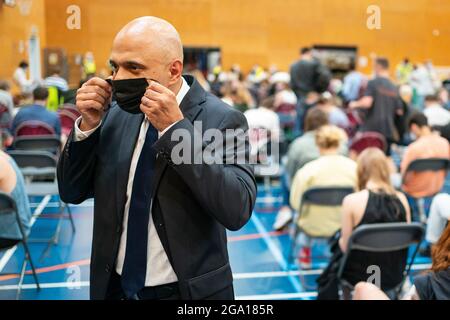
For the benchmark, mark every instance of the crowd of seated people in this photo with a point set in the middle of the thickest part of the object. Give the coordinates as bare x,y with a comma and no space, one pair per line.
317,118
25,115
36,113
398,121
375,201
31,114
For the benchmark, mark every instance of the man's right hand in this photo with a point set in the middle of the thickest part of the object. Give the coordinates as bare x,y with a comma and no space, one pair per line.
92,99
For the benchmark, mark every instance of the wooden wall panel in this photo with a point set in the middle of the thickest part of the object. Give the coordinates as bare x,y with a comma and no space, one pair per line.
262,31
15,31
271,32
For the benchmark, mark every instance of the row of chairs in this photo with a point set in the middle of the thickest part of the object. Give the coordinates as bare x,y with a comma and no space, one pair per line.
8,207
383,237
67,115
370,238
36,156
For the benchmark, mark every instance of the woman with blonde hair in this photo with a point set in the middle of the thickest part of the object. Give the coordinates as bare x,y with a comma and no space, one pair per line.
330,169
376,201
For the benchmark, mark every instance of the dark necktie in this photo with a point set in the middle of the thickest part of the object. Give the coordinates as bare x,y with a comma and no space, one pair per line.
135,264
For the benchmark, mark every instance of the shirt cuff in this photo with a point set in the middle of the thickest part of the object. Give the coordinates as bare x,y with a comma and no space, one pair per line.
81,135
160,134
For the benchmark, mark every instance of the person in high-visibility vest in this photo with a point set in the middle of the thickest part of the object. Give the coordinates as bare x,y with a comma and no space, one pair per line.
89,65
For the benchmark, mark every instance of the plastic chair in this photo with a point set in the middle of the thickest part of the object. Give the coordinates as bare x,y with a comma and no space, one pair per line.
8,206
34,128
383,237
68,114
40,143
5,117
288,116
364,140
40,165
35,164
423,165
323,196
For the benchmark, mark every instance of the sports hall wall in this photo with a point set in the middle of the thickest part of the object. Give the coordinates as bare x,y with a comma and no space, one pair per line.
15,29
247,31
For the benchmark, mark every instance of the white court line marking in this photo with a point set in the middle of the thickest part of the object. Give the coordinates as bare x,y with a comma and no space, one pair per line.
86,204
69,285
8,254
424,266
279,296
277,274
250,275
266,200
275,251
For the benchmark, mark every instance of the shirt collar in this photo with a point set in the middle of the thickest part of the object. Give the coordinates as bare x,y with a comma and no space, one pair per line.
183,91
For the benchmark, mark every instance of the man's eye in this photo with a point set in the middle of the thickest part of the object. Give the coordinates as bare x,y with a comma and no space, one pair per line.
113,67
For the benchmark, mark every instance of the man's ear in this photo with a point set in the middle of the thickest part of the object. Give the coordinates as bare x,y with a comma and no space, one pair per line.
175,70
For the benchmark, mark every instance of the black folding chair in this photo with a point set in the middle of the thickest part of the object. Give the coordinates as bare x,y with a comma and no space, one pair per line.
39,171
8,207
50,143
323,196
423,165
35,165
383,237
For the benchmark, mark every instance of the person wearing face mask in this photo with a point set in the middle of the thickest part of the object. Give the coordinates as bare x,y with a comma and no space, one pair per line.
159,225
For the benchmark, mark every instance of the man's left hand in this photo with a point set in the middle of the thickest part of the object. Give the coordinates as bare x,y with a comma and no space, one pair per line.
160,106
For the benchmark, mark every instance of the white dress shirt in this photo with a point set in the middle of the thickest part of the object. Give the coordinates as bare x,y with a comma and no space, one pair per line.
159,269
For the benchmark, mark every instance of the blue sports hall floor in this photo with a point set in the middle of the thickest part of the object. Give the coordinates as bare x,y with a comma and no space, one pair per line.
257,253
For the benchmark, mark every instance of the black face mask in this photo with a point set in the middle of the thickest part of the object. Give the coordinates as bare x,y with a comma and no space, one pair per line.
128,93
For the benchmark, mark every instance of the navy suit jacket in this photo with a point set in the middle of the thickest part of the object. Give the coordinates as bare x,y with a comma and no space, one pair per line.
192,206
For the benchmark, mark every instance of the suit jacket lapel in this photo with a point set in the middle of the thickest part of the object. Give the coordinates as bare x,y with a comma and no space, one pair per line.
190,106
130,133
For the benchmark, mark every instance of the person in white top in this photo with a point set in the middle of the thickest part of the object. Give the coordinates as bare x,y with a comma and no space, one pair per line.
263,118
25,85
435,113
284,93
421,80
55,80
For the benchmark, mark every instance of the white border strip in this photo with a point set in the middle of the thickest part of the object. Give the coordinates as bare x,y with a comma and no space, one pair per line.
277,274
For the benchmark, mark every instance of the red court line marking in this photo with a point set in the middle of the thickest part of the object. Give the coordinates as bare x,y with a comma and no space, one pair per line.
267,210
252,236
49,269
